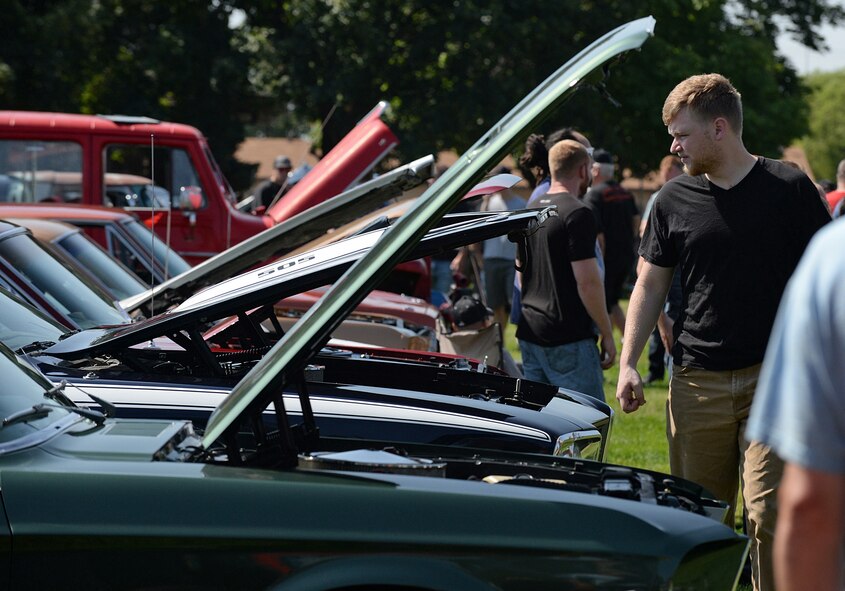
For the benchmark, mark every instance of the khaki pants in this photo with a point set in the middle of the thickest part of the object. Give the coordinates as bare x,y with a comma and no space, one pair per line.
706,413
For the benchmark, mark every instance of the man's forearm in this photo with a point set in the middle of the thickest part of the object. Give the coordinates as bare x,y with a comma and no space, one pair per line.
808,539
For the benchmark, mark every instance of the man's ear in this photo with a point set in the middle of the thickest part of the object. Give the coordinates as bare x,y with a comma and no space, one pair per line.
720,127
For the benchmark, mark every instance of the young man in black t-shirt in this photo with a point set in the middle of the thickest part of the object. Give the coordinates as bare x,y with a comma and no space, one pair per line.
736,226
562,290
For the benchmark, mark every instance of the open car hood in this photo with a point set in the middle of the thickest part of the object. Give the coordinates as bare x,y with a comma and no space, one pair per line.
289,276
296,232
345,164
286,360
284,237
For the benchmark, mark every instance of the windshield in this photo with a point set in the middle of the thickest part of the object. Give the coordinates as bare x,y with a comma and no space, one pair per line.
120,282
75,299
165,257
23,388
21,324
224,185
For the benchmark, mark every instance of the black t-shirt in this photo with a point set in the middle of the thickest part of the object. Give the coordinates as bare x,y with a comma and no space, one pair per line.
266,192
552,312
736,249
614,208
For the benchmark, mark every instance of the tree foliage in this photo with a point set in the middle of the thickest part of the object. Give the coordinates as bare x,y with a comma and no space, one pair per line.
452,69
449,68
825,143
174,61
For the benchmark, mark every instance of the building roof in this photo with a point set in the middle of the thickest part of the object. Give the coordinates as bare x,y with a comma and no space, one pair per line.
263,150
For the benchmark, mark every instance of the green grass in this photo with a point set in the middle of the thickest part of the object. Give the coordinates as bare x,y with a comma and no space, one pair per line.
637,439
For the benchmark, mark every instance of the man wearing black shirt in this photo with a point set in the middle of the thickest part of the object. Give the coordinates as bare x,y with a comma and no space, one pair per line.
562,289
618,220
736,225
276,185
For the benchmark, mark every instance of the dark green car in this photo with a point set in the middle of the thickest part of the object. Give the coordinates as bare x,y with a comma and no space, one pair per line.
91,502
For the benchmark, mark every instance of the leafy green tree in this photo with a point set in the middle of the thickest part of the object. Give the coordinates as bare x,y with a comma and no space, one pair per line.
451,69
825,144
174,60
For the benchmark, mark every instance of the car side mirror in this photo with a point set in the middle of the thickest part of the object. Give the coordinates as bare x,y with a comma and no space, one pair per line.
190,198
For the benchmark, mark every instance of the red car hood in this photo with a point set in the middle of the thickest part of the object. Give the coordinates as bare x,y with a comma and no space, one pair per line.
377,303
349,161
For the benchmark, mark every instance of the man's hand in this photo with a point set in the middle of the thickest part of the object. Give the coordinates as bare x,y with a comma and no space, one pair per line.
607,348
629,389
643,312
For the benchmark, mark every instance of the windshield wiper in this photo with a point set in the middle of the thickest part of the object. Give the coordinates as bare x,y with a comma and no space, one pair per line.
39,411
57,393
35,346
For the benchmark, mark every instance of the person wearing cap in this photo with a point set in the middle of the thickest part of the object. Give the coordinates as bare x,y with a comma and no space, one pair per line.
276,185
618,221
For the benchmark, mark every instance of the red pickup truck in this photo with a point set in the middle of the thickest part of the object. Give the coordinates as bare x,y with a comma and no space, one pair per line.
164,172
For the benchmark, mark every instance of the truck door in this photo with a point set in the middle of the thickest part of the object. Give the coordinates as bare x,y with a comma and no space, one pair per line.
161,185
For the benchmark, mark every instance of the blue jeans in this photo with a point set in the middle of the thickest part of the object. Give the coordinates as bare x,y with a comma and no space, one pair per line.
574,365
441,277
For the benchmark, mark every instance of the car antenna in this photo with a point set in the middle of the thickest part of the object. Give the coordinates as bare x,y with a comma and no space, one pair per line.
153,210
152,344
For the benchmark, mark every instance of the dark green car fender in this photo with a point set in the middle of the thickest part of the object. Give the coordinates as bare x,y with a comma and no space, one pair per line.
428,574
5,545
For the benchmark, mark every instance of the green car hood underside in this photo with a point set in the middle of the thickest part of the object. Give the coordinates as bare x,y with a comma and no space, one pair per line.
115,508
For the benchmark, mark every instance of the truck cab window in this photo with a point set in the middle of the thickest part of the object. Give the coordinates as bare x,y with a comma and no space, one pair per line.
32,171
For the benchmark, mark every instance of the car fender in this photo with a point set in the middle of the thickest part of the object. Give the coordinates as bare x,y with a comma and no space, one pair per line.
366,571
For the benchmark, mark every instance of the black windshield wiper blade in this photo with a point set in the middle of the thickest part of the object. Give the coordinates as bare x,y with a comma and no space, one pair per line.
57,393
88,413
35,346
38,411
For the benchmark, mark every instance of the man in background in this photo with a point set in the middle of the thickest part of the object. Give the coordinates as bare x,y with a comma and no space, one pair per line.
563,306
618,221
268,191
499,255
659,354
